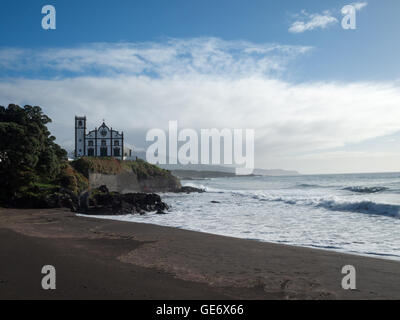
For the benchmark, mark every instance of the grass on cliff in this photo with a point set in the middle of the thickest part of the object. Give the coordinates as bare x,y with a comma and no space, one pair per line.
104,165
109,165
144,169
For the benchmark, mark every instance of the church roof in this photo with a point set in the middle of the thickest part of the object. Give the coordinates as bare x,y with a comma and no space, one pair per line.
103,126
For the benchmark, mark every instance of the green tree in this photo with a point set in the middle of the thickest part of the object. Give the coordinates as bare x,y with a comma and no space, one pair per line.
28,152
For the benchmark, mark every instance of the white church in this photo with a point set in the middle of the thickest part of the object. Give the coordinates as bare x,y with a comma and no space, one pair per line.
100,142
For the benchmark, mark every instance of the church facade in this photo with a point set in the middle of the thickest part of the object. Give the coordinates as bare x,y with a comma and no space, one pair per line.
100,142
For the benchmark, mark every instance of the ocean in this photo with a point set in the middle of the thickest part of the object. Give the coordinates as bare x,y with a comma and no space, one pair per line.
351,213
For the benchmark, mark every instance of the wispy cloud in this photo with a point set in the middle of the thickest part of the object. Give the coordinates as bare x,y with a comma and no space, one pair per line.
310,21
171,57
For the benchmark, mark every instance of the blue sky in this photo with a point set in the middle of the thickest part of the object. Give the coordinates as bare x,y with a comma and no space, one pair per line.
369,52
327,96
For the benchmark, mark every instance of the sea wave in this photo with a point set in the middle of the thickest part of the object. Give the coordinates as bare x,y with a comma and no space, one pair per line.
206,188
307,185
368,207
364,206
336,204
360,189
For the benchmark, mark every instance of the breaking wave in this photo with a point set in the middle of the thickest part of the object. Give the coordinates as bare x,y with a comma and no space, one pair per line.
327,203
332,204
359,189
368,207
307,185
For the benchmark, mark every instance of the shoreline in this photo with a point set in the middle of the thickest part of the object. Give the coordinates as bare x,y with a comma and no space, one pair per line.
109,259
366,255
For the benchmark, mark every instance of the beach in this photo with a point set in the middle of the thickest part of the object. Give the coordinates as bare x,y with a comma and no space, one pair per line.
106,259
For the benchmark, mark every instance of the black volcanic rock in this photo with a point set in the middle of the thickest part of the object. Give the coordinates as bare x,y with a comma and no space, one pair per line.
190,190
103,202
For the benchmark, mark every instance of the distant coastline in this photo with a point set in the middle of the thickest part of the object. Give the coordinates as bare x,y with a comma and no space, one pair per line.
200,175
203,174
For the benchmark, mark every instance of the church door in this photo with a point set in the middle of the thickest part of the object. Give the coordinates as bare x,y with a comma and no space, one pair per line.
103,152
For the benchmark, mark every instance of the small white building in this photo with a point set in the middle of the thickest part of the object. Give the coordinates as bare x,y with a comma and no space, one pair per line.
100,142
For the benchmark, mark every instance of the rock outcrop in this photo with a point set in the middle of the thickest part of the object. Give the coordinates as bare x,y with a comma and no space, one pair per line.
103,202
188,189
99,201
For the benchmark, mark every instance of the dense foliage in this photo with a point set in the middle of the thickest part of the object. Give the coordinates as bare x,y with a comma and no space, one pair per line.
72,180
29,155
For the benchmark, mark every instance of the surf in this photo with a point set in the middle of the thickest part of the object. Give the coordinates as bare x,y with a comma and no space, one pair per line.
360,189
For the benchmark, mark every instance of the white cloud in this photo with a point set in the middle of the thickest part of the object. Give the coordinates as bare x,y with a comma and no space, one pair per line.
313,21
290,119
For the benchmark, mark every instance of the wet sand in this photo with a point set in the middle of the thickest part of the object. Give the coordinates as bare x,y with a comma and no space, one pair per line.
105,259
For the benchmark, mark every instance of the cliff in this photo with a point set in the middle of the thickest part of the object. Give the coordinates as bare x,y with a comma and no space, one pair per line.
126,176
130,185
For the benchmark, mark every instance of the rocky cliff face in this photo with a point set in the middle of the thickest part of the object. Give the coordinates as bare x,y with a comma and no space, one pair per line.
105,186
128,182
127,176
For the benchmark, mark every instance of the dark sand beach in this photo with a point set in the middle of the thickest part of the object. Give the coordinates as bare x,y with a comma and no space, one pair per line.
104,259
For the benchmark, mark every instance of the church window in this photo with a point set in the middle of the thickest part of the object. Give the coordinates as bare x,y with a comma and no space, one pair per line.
103,152
103,143
90,143
116,143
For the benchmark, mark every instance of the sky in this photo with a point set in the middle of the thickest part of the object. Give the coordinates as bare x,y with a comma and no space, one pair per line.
321,99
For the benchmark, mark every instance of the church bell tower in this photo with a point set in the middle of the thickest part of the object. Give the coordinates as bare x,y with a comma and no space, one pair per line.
80,133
